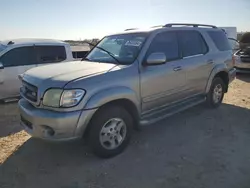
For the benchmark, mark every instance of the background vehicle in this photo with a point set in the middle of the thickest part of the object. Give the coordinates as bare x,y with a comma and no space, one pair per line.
133,78
17,56
242,56
80,51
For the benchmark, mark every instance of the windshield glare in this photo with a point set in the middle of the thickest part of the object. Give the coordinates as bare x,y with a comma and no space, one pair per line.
125,48
2,47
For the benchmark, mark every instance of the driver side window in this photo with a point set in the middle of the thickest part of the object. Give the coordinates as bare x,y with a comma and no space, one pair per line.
166,43
19,57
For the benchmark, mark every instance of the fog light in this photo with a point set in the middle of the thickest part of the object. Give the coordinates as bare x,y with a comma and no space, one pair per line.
48,131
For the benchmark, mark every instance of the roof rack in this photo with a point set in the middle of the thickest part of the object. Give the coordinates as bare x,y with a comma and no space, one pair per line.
188,24
130,29
157,26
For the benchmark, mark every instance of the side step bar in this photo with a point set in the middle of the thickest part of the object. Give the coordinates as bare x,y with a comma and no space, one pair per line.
163,113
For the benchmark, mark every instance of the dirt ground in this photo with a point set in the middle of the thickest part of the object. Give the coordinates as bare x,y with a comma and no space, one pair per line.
199,148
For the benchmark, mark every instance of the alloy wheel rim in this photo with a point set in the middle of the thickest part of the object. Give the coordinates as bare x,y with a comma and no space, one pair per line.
113,133
217,93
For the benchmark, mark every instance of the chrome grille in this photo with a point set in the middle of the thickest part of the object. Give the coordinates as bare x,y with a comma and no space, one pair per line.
29,91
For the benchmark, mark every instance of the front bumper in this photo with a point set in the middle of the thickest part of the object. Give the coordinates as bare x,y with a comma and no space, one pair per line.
232,75
52,125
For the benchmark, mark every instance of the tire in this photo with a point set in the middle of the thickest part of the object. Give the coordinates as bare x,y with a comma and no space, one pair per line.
211,99
107,127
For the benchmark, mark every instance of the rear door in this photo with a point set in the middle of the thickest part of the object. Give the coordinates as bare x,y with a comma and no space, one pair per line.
47,54
198,64
15,62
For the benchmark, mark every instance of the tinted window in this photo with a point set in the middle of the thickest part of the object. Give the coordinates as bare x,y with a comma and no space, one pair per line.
2,47
19,56
220,40
192,43
167,43
51,54
77,55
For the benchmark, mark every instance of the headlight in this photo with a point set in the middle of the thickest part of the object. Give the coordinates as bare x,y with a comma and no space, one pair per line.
52,97
71,97
62,98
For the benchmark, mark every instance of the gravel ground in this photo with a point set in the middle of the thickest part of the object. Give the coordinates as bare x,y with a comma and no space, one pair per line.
197,148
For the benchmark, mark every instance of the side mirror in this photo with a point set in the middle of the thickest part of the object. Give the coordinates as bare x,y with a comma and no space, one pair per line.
20,76
1,66
157,58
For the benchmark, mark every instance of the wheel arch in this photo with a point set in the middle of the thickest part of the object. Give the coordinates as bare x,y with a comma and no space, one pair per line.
224,76
120,96
127,104
221,72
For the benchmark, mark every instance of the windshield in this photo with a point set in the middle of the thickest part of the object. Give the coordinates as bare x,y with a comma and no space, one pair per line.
125,48
2,47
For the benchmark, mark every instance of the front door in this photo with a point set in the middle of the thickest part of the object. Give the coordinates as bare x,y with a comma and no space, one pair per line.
15,62
163,84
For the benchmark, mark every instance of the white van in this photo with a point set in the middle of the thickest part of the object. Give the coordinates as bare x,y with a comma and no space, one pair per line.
17,56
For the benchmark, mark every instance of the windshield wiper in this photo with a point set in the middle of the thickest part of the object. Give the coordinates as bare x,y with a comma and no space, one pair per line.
85,59
109,53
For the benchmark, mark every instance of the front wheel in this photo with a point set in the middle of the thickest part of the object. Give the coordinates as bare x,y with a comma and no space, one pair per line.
216,93
110,131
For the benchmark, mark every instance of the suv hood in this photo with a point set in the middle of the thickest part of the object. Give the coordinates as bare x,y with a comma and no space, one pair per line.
58,75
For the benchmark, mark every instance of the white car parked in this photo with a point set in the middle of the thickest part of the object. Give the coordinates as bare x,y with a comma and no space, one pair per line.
17,56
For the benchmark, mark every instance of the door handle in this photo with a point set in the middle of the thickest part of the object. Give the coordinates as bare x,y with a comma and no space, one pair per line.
177,68
210,61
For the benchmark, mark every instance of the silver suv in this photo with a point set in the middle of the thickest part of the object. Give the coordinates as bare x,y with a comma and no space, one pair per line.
129,79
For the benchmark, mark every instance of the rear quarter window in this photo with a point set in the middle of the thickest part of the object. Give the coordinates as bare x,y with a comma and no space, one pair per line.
51,54
220,40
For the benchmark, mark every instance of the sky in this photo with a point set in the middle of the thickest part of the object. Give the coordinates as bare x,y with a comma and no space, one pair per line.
85,19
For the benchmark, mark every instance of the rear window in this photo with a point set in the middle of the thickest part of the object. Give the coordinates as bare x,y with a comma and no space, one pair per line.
78,55
51,54
220,40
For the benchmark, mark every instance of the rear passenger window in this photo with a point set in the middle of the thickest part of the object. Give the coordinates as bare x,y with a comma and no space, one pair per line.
19,57
192,43
51,54
78,55
167,43
220,40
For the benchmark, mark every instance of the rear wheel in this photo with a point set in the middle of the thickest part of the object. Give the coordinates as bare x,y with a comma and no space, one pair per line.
110,131
216,93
